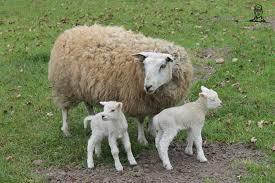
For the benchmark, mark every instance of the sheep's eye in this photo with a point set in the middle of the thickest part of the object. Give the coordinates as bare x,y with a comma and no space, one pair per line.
162,66
112,110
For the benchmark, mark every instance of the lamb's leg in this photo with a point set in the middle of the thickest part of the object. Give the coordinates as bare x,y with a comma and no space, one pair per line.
127,147
90,151
141,136
65,127
98,148
90,109
115,151
165,141
198,144
157,140
189,147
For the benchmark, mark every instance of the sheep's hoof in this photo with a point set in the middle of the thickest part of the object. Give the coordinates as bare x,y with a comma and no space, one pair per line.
188,152
202,159
66,132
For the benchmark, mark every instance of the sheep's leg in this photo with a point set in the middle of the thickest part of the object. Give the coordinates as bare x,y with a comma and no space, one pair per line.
65,127
98,148
190,141
90,109
165,141
157,141
127,147
115,151
90,151
198,144
141,136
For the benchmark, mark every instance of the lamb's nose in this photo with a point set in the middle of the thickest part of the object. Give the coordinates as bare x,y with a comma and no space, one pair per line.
103,116
148,87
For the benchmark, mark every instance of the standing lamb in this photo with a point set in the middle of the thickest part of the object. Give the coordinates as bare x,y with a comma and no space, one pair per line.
110,123
190,116
103,63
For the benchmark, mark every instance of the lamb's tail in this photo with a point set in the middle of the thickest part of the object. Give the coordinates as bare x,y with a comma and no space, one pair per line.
154,126
86,120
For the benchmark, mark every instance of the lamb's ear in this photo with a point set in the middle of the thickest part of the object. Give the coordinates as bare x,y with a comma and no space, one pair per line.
103,103
202,94
204,89
119,105
141,56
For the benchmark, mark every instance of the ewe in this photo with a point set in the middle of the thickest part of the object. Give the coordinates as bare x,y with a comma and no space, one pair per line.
190,116
103,63
110,123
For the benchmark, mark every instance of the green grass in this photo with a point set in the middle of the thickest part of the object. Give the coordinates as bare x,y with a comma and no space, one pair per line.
28,30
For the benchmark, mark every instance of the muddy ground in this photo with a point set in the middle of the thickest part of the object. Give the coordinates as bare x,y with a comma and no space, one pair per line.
224,165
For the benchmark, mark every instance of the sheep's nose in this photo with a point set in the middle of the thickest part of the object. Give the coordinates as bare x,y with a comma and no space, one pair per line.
148,87
103,116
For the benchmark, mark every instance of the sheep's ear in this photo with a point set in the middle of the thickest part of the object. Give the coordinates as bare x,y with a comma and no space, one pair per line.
169,59
202,94
119,105
204,89
141,56
103,103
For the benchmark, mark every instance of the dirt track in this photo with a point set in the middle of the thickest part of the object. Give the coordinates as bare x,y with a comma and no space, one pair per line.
223,165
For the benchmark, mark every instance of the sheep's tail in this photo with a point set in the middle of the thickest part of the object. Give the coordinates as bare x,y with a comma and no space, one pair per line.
154,126
86,120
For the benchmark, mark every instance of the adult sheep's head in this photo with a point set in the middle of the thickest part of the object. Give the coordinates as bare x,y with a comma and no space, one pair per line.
158,69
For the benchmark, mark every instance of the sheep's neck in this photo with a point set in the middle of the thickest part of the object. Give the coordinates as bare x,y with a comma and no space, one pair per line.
202,104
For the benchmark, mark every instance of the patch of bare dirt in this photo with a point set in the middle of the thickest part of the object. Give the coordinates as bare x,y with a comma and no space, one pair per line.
202,70
224,165
213,53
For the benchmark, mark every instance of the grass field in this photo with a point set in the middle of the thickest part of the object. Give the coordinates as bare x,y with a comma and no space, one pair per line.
28,29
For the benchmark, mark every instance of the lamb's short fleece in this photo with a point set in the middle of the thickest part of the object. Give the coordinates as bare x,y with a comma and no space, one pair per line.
110,123
190,116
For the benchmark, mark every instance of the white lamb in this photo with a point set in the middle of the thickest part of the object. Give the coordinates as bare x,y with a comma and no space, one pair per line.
190,116
110,123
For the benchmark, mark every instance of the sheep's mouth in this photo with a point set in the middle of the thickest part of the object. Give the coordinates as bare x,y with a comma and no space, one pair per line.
150,92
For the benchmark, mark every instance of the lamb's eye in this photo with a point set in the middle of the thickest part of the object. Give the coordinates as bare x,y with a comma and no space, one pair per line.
112,110
162,66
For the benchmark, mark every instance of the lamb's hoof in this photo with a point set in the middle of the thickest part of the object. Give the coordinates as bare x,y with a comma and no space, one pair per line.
188,152
133,163
202,159
98,154
119,168
90,165
143,141
168,167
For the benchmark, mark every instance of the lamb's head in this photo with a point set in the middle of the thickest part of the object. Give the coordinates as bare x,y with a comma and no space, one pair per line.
158,69
211,97
112,110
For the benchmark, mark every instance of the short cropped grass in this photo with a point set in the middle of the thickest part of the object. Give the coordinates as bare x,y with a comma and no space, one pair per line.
30,123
